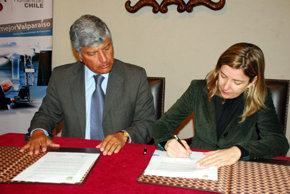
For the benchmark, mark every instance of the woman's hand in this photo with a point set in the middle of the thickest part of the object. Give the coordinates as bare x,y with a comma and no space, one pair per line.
220,158
176,150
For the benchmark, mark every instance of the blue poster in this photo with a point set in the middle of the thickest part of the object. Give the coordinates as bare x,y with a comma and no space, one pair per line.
25,59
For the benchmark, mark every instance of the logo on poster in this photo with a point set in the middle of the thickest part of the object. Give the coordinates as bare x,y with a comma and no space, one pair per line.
25,3
31,3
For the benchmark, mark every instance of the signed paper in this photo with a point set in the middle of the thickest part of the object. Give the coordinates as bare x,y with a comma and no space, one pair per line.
163,165
59,167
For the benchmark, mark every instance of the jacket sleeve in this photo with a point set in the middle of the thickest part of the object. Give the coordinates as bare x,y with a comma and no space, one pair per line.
49,114
172,119
272,141
144,113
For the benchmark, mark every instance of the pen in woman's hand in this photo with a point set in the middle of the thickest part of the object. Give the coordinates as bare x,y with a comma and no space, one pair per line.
179,141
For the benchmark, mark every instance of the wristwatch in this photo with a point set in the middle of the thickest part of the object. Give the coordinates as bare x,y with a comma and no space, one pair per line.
125,134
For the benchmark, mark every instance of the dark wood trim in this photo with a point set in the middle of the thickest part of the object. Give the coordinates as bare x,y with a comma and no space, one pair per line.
181,5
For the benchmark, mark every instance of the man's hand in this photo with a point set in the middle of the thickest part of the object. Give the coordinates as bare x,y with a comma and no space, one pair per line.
112,143
220,158
38,143
176,150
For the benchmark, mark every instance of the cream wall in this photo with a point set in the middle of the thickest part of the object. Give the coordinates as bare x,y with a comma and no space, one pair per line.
182,46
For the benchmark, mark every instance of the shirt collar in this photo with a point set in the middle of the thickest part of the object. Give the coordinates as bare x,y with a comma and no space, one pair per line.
90,73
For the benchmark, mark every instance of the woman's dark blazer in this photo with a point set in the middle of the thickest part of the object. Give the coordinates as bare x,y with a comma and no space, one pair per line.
272,143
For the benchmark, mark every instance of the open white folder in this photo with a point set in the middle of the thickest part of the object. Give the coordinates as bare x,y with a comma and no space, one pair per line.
59,167
163,165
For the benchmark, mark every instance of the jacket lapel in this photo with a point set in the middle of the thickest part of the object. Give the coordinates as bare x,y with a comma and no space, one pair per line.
77,86
211,114
114,87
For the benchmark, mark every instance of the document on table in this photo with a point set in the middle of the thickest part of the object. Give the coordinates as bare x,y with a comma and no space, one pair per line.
59,167
163,165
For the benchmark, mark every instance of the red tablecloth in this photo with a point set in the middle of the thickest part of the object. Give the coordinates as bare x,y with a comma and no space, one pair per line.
111,174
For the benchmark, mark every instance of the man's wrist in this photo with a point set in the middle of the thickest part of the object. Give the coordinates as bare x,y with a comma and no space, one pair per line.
40,129
126,136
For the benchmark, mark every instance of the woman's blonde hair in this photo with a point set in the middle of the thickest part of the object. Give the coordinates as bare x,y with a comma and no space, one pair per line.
250,59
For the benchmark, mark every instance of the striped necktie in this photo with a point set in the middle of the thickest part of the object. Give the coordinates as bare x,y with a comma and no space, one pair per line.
97,107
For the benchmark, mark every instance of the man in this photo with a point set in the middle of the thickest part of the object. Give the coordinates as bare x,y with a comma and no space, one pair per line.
5,86
128,110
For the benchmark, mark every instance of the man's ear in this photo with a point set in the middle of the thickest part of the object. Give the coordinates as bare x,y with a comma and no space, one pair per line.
79,57
253,82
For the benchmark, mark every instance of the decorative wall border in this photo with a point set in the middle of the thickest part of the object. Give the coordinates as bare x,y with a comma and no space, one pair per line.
181,5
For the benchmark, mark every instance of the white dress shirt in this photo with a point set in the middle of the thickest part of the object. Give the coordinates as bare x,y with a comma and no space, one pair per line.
90,86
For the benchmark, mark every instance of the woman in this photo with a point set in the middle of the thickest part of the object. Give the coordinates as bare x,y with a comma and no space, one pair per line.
229,107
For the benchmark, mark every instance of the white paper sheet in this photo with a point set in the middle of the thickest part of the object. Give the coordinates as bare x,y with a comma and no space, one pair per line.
59,167
163,165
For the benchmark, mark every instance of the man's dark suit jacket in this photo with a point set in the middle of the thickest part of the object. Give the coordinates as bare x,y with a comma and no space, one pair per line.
3,100
128,102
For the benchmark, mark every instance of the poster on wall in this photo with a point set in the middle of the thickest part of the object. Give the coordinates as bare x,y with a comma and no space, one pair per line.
25,60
